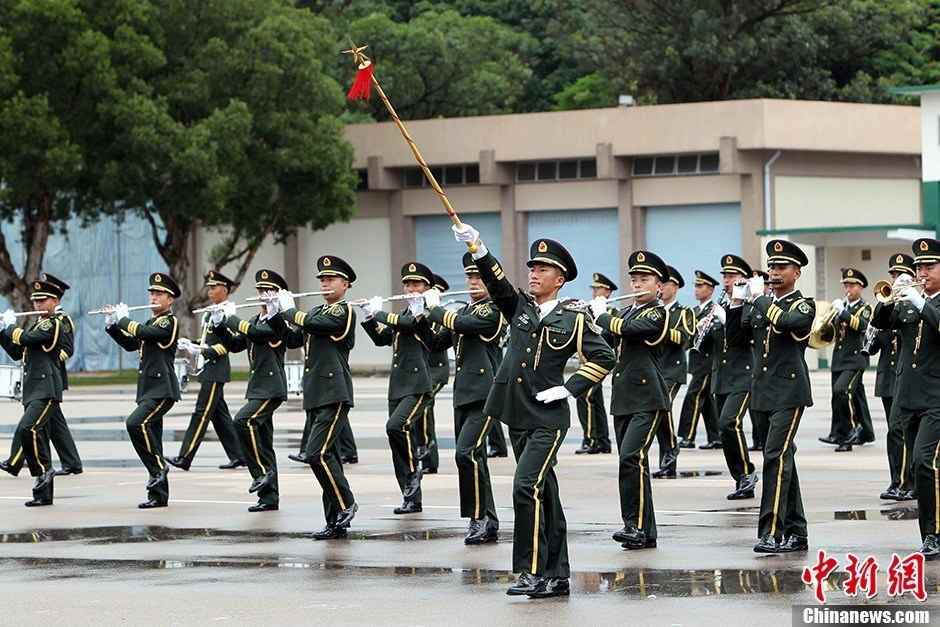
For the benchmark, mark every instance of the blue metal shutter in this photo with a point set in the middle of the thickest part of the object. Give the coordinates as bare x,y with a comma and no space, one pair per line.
435,245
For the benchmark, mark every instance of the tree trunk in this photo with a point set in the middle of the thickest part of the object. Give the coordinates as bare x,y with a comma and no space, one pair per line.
35,233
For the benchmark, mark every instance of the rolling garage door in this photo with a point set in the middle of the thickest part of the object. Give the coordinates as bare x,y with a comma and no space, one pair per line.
694,237
435,245
590,235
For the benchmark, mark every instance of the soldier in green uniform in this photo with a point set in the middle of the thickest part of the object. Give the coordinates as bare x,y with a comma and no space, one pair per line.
327,333
157,386
592,412
674,368
916,316
640,398
59,433
476,333
39,347
439,369
886,343
698,401
530,395
759,419
409,387
780,387
267,384
851,420
217,371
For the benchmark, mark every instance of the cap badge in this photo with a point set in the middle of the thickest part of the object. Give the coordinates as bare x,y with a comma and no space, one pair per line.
900,259
264,274
157,278
542,247
778,247
924,246
849,272
326,262
36,285
640,257
412,267
729,260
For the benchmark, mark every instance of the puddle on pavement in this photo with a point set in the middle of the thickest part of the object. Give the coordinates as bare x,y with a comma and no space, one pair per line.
894,513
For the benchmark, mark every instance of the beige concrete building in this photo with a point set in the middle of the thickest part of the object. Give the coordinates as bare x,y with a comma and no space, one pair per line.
690,181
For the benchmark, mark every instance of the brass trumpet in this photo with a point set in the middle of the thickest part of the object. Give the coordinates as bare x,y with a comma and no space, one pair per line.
886,292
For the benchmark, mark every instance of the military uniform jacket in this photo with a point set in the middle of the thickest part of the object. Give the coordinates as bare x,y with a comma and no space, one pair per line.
850,327
67,345
410,339
887,346
537,353
39,346
438,360
155,342
918,383
681,329
266,348
781,332
700,361
638,383
217,367
733,355
476,333
328,334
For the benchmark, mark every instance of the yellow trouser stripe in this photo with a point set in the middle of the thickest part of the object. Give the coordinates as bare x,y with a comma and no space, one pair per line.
849,391
695,411
936,488
202,421
407,430
326,468
742,449
590,416
783,453
476,468
538,503
647,441
36,436
143,429
254,438
16,457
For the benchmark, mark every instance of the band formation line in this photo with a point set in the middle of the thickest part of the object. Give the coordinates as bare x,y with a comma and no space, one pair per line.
742,354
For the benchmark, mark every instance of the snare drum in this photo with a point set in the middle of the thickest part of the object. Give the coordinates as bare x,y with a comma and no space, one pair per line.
11,382
295,376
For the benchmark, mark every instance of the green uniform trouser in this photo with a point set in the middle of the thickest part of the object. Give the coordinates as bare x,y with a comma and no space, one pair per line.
324,425
926,466
34,425
145,428
424,429
346,442
61,438
254,424
759,426
731,409
497,439
634,437
593,417
899,444
849,406
402,414
211,407
781,504
699,403
540,532
473,472
666,432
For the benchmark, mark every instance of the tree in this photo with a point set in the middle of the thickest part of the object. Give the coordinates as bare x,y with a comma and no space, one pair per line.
231,124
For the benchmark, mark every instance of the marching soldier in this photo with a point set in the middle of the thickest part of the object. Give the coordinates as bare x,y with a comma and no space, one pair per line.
851,420
759,419
210,403
439,369
327,333
592,413
916,407
780,387
886,343
59,433
640,398
40,347
674,369
698,402
267,384
409,386
530,395
157,386
476,333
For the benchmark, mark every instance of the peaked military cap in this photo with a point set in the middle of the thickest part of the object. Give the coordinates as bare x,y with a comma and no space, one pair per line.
48,286
675,277
926,251
762,275
645,262
599,280
851,275
734,264
214,277
781,252
901,263
162,282
331,265
703,279
440,284
550,252
269,280
414,271
469,265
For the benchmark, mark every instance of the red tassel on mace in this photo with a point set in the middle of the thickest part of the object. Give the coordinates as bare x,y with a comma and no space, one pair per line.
362,86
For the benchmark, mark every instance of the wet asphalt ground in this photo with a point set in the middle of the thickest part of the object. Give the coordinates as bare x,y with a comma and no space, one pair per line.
94,558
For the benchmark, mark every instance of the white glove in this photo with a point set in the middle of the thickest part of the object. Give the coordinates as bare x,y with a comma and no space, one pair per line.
285,300
9,318
469,235
217,316
432,298
372,307
120,311
911,295
598,306
902,280
187,346
740,292
416,305
228,309
272,304
839,305
557,393
756,285
109,320
720,314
